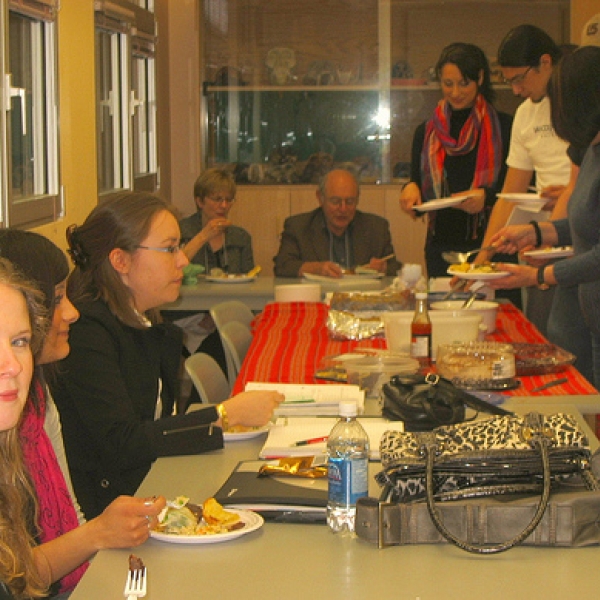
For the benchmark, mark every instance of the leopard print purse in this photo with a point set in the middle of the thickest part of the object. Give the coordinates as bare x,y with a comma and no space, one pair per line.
510,454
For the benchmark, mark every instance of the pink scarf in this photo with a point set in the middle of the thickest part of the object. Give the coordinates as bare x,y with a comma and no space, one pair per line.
482,125
57,515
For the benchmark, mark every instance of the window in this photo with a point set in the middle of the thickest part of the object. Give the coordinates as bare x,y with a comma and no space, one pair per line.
30,170
126,97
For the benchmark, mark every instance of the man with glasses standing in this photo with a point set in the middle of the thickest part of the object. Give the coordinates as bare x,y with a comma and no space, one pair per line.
335,237
526,57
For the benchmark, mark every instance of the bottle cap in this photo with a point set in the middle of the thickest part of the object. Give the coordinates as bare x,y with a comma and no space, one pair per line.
421,295
348,408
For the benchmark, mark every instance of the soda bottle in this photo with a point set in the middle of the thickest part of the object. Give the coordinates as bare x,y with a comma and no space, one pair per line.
348,465
420,331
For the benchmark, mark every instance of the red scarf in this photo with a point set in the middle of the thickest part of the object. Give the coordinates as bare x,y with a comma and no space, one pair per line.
57,514
482,125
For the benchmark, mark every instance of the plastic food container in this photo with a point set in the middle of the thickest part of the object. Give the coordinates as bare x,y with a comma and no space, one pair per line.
478,365
371,372
446,327
541,359
488,310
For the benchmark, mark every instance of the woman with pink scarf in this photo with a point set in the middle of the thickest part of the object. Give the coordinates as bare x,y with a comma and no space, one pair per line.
459,151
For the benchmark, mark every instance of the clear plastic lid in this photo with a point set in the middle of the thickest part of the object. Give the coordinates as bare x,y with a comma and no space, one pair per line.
348,408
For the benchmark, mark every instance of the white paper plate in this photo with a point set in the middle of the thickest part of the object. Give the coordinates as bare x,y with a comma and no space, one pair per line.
358,277
557,252
230,279
230,436
482,276
252,521
523,198
440,203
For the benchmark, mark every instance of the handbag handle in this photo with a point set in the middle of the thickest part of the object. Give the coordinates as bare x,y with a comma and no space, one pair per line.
430,450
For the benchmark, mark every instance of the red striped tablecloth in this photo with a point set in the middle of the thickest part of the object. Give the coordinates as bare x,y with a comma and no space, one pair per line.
291,339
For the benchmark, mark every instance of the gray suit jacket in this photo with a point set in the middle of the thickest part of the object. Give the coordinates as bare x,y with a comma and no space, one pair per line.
305,238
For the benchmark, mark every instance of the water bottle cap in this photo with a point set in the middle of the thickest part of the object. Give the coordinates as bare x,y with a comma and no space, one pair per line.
421,295
348,408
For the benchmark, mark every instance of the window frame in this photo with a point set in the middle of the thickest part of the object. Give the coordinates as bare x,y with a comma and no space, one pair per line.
132,145
46,202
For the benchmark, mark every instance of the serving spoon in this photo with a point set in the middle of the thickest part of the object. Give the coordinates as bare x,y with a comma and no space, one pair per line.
462,257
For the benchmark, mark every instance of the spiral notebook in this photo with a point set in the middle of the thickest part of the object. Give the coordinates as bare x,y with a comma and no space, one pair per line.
291,436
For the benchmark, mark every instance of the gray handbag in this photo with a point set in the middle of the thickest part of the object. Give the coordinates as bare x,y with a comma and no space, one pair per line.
486,486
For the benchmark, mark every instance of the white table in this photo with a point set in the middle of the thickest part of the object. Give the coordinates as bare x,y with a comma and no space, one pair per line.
294,561
257,293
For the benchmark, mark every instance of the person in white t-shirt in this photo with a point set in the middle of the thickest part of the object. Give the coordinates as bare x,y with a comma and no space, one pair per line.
590,36
526,57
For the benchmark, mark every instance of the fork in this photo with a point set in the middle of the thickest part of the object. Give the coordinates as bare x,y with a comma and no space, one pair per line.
135,586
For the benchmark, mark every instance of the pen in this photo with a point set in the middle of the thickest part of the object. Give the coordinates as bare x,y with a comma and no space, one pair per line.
311,441
298,401
388,257
550,384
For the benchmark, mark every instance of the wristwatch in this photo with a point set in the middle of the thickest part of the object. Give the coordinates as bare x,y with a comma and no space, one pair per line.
541,282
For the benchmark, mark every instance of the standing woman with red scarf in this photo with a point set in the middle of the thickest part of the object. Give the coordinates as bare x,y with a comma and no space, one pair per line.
461,150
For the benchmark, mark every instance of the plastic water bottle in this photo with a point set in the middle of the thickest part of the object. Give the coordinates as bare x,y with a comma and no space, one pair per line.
348,465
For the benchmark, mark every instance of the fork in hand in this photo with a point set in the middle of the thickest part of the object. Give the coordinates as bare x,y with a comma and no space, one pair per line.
135,587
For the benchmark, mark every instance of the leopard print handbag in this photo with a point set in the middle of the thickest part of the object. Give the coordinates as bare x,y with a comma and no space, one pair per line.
500,456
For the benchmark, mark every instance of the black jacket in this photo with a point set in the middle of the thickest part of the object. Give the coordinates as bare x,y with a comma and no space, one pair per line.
106,391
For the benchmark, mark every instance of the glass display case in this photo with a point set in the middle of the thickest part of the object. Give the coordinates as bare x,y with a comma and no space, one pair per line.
291,88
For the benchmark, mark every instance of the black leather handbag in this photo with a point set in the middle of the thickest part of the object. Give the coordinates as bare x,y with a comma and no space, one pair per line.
424,402
486,486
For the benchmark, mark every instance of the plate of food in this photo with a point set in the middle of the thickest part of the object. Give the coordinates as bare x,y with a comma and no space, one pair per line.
482,272
227,278
551,252
239,433
182,522
440,203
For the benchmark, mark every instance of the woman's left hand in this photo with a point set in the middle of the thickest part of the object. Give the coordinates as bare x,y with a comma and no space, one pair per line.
519,276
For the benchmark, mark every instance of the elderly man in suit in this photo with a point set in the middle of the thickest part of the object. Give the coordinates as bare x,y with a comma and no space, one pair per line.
335,237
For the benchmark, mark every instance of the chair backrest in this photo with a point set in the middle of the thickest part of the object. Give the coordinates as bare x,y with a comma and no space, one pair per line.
208,378
231,310
236,338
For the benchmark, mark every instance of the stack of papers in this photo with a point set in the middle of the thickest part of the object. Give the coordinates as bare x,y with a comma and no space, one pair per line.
311,399
308,436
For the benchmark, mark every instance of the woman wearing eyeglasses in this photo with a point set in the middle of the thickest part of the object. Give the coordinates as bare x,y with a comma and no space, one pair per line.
117,389
211,239
460,151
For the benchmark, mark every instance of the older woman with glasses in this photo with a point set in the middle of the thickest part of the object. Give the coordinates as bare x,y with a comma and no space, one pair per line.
211,239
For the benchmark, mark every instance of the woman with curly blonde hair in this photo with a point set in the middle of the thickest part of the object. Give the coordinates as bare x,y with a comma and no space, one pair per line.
23,573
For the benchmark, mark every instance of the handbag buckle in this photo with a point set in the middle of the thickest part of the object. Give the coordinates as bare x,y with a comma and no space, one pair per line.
432,378
381,524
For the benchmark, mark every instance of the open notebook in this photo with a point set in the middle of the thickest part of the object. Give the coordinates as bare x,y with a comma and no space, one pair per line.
288,431
311,399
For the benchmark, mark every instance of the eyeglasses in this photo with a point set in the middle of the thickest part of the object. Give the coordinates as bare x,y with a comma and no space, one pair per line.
173,249
221,199
518,79
336,201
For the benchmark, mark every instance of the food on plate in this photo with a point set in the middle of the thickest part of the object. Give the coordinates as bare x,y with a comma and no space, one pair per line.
181,517
242,429
135,563
486,267
214,514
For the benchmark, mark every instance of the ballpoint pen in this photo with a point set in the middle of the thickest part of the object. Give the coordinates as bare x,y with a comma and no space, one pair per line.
316,440
550,384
